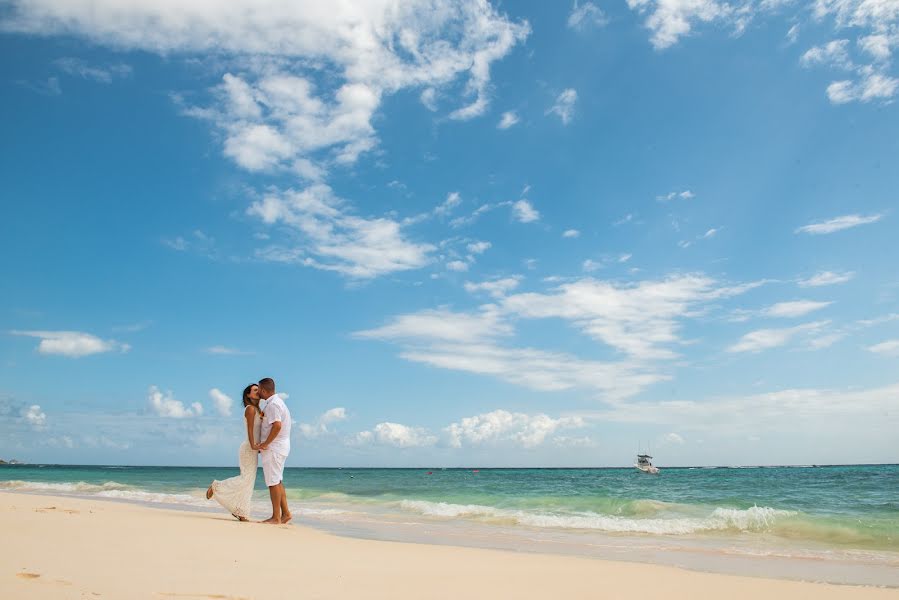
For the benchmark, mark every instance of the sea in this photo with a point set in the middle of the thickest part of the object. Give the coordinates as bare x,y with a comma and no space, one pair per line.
838,524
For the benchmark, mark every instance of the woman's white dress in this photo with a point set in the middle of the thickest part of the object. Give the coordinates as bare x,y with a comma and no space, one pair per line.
235,493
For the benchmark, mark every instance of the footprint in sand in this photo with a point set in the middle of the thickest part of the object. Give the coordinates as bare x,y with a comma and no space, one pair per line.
28,575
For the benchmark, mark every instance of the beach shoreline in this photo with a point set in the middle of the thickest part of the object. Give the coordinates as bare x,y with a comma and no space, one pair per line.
67,547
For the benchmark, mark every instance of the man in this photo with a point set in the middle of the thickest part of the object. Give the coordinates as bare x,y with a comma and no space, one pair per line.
275,447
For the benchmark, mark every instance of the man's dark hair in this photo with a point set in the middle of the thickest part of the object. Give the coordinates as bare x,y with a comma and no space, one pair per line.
268,384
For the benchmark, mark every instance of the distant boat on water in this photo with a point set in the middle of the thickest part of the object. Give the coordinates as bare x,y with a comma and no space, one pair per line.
644,465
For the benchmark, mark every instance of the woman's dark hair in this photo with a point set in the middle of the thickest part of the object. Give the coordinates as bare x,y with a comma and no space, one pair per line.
246,395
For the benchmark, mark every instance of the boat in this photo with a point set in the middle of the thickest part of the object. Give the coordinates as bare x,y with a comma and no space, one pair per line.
644,464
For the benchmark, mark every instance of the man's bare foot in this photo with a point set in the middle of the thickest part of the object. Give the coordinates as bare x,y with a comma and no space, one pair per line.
209,493
286,518
272,521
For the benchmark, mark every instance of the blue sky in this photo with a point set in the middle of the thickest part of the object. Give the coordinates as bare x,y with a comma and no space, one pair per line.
455,232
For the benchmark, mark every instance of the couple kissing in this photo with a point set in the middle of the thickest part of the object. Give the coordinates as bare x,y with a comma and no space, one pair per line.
268,436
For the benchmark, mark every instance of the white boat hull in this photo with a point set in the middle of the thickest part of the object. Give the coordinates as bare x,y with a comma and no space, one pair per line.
650,470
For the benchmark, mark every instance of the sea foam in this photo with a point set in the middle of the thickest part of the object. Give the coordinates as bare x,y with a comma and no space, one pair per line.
77,487
756,518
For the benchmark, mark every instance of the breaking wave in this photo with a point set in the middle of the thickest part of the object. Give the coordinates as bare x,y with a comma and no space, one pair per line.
756,518
78,487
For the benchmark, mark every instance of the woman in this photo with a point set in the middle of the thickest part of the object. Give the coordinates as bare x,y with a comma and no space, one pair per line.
235,493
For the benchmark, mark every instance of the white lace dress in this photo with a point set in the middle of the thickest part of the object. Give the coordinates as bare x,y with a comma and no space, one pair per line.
235,493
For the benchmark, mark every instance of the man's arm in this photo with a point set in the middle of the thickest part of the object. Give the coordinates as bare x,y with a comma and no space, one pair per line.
276,429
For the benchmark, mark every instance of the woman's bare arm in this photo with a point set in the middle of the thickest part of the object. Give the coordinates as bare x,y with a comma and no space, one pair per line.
248,414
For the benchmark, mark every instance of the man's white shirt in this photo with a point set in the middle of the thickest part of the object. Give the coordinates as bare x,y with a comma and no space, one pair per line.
276,410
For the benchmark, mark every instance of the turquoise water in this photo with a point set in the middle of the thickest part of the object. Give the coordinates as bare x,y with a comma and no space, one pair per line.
846,507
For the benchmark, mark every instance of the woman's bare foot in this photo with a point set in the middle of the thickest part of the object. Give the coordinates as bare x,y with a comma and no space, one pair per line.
209,493
286,518
239,518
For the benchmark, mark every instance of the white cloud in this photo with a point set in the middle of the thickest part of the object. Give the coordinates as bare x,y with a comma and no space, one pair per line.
524,212
879,45
63,441
334,239
874,21
838,224
879,320
571,233
872,86
34,416
199,242
876,14
320,427
825,341
333,415
79,68
221,401
833,54
887,348
764,339
564,441
671,439
586,15
564,106
457,265
527,431
396,435
225,350
47,87
165,405
590,265
640,319
476,214
178,243
429,99
508,119
796,308
814,409
683,195
132,327
478,247
669,20
494,287
442,210
440,325
273,116
536,369
827,278
470,343
452,201
73,344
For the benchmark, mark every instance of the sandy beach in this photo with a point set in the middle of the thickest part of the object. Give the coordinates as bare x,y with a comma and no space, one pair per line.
61,547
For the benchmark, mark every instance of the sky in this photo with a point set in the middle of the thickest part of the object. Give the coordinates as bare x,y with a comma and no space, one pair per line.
455,232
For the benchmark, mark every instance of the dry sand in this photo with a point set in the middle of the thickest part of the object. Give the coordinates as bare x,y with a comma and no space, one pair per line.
57,547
